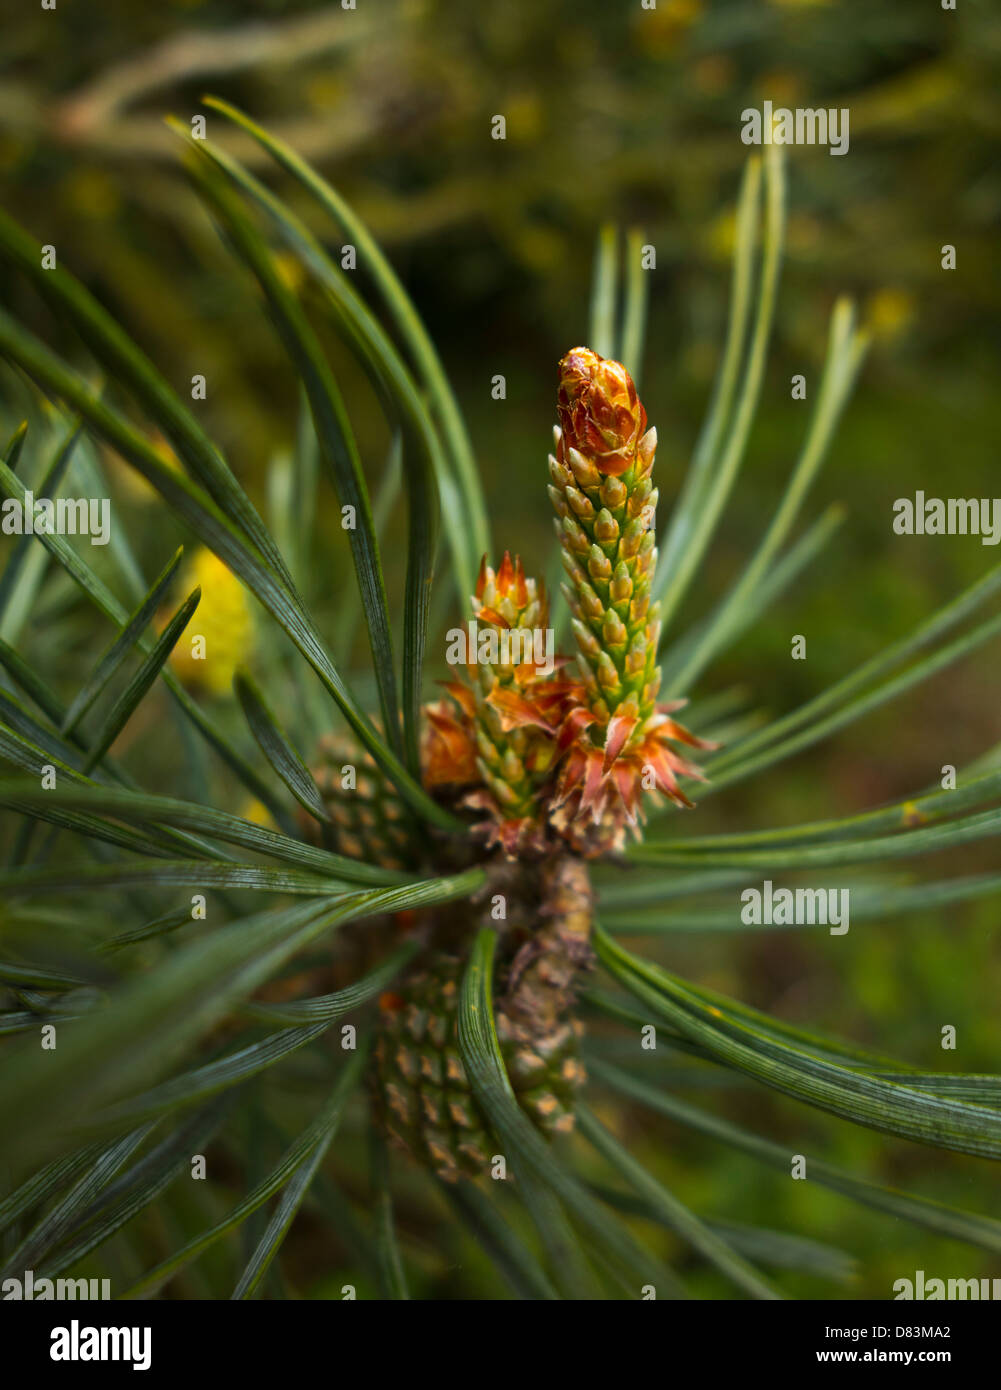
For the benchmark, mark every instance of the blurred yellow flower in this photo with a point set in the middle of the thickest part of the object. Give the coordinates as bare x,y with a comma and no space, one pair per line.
257,813
220,636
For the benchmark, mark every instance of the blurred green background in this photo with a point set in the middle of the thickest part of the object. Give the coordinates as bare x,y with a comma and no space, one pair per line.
619,114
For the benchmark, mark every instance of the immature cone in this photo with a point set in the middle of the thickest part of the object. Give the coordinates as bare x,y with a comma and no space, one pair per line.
618,742
501,733
421,1091
368,819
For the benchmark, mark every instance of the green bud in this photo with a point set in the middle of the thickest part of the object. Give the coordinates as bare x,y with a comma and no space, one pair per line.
561,476
575,537
606,528
638,608
587,677
512,768
636,655
505,794
487,751
632,539
599,566
613,630
573,603
584,470
621,586
586,639
638,497
613,493
581,504
590,602
608,675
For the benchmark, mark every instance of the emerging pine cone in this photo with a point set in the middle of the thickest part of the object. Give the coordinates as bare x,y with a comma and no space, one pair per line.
501,731
618,741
